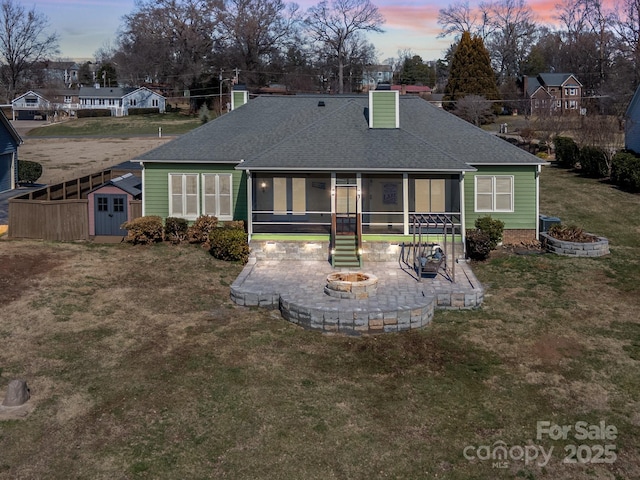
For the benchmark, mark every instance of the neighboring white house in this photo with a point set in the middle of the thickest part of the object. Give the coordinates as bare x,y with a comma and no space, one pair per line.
120,100
143,98
29,106
372,75
35,106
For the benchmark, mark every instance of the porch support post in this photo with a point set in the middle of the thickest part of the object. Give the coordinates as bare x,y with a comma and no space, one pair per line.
405,203
332,239
462,215
144,194
537,222
249,204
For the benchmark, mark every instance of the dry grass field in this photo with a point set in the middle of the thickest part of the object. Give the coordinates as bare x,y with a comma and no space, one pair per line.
68,158
141,367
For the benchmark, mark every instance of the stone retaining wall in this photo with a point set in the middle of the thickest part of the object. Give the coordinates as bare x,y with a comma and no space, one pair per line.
356,321
301,250
575,249
289,250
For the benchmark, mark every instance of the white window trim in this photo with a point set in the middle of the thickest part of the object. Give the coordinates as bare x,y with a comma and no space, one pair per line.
218,177
493,193
184,202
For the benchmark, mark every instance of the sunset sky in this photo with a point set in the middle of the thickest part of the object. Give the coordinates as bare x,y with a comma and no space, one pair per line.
86,25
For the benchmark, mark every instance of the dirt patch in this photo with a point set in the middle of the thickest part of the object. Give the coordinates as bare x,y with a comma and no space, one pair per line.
551,349
21,272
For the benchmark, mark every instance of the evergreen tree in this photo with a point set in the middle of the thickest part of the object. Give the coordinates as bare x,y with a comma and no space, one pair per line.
416,72
470,73
107,76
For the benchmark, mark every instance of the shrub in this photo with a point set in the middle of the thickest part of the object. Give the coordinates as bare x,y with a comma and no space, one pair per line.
144,230
229,244
204,114
492,227
570,233
478,244
142,111
199,231
93,112
28,171
567,151
625,171
593,162
175,229
234,224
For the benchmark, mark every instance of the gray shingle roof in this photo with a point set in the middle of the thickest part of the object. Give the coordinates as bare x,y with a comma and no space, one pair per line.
294,133
105,92
555,79
127,183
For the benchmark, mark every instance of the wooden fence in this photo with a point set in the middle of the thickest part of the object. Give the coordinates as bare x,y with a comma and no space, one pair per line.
71,189
58,212
62,220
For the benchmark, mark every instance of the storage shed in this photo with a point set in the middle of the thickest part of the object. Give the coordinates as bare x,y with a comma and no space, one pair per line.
110,205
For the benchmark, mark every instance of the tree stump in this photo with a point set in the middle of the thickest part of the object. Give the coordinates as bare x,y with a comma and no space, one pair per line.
17,394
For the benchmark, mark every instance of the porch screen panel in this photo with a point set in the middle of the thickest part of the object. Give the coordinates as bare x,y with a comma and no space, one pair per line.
346,198
437,195
423,193
279,195
299,196
430,195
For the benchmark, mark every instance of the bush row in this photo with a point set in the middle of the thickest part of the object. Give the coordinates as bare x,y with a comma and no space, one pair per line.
225,242
93,112
149,229
591,161
623,170
143,111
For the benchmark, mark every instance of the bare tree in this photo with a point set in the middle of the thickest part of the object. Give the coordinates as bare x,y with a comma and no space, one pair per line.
333,24
459,17
169,41
255,32
512,35
589,39
474,109
602,132
626,24
24,41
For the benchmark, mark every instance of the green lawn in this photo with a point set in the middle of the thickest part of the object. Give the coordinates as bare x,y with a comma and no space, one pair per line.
170,123
141,367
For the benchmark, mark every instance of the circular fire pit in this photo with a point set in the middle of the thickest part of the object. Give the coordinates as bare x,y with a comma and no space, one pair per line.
355,285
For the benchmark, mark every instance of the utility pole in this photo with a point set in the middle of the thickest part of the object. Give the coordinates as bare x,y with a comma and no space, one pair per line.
220,91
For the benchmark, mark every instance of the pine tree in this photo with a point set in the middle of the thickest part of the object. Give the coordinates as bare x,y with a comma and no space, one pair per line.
470,73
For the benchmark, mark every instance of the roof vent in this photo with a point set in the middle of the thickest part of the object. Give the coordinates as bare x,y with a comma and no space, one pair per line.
321,103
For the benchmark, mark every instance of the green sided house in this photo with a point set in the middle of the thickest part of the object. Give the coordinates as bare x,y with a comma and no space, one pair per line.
307,172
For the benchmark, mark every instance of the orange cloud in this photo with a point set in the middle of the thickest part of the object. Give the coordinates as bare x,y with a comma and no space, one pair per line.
409,16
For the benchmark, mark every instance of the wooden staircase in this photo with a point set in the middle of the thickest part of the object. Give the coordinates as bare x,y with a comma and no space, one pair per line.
346,252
